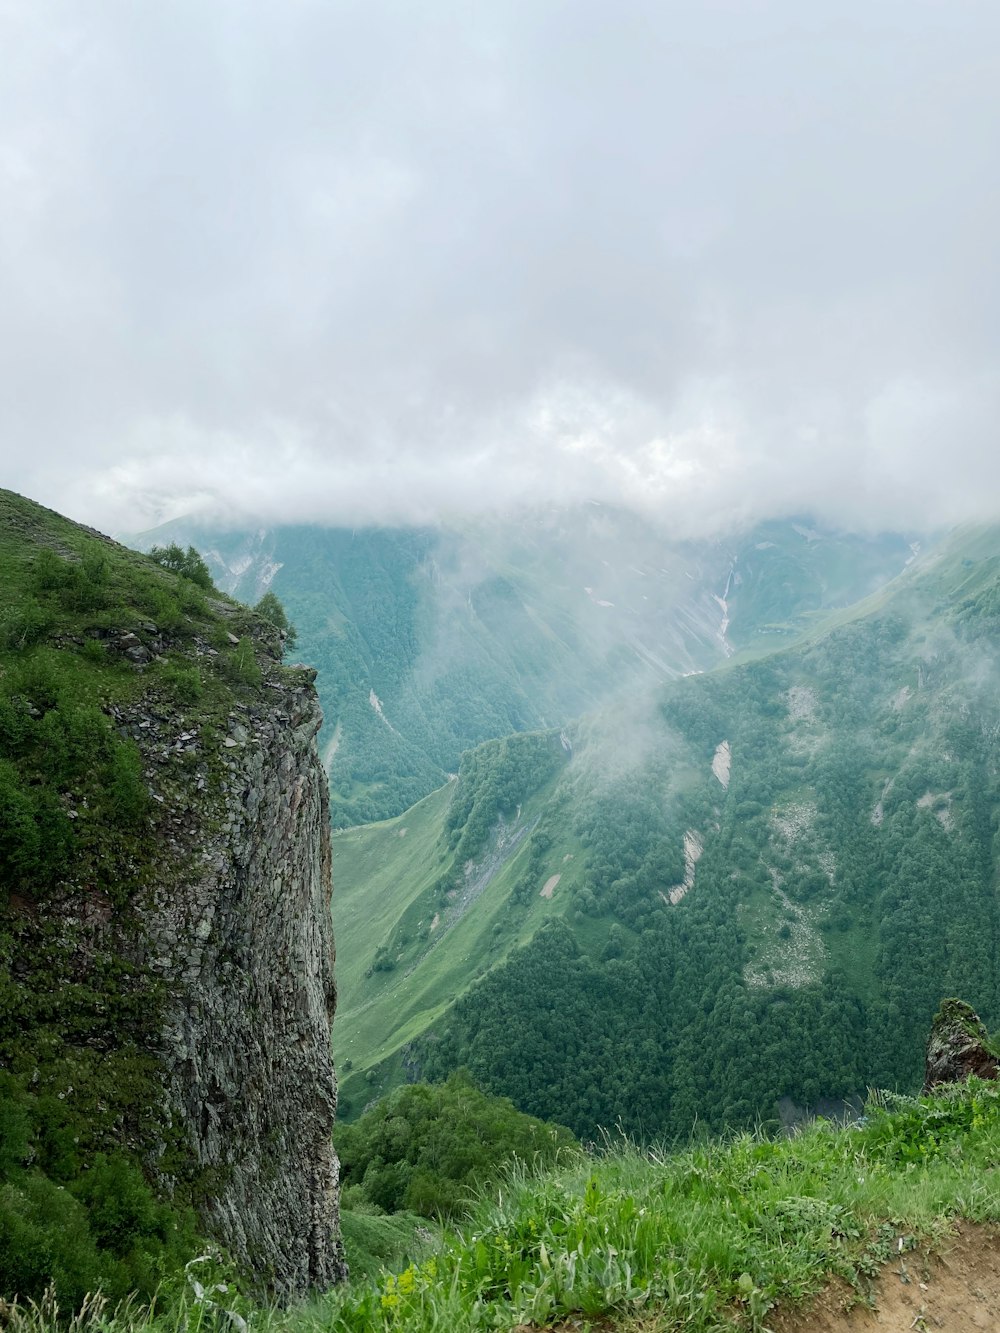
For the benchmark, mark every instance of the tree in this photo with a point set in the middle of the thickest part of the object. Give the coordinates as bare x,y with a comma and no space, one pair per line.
188,564
271,609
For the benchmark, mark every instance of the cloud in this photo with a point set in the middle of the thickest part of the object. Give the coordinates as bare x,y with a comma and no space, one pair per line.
380,262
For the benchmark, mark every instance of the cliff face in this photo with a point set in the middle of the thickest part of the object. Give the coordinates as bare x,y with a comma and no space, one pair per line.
166,954
240,932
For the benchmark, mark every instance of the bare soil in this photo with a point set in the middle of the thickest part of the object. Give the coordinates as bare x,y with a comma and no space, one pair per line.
548,888
954,1289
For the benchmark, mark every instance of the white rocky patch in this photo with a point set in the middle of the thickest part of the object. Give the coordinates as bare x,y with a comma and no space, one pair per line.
939,803
265,575
722,762
796,961
693,848
801,703
809,534
795,821
598,601
376,703
878,814
900,698
331,747
549,887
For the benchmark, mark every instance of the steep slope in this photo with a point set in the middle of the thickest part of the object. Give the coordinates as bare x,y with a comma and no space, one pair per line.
431,640
779,871
166,974
438,895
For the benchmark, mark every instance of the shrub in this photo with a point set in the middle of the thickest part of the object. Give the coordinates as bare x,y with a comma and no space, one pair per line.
188,564
271,609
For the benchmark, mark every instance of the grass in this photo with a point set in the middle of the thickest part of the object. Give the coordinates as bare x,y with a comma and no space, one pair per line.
384,878
375,1242
705,1239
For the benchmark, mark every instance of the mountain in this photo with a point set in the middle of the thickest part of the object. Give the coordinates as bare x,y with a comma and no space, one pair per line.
429,640
739,896
166,984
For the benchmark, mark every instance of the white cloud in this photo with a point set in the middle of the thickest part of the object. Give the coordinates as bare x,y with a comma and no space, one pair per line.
383,261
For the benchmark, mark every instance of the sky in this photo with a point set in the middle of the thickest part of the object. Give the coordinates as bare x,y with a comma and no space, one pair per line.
388,262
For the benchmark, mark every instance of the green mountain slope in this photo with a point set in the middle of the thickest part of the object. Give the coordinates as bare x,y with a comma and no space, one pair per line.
425,903
92,637
777,873
431,640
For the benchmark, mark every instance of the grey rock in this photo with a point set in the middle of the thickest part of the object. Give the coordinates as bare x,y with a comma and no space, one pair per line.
958,1046
241,932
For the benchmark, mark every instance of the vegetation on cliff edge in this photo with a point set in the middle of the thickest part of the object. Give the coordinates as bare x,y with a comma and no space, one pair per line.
101,650
706,1239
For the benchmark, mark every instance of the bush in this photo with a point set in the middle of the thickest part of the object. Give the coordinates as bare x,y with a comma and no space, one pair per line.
427,1147
184,683
188,564
243,665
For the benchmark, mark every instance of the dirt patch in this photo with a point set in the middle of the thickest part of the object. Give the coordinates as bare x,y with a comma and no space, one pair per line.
954,1290
401,833
549,887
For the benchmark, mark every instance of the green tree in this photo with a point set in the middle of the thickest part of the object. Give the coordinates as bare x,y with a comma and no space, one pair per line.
189,564
271,609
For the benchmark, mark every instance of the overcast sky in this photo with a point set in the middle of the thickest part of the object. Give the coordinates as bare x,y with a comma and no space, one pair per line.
375,261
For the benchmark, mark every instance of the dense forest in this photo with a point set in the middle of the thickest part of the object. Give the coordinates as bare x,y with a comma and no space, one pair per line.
845,881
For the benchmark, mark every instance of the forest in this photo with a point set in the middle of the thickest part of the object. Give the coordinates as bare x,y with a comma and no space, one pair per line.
847,883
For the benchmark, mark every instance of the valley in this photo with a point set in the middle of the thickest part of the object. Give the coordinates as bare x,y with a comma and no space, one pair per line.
763,878
713,898
431,640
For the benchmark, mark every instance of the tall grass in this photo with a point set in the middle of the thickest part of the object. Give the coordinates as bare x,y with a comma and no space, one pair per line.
705,1239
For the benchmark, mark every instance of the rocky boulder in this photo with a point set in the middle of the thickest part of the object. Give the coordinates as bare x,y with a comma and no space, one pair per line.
958,1046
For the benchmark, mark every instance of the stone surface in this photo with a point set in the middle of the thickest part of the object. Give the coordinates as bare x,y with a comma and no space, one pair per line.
958,1046
240,932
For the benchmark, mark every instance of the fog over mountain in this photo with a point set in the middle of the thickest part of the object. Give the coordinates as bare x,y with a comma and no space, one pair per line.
383,262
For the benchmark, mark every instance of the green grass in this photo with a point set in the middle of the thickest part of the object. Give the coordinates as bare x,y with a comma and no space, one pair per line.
707,1239
384,878
374,1242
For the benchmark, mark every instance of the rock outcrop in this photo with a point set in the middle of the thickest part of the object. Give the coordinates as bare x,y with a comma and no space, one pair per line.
958,1046
240,932
166,950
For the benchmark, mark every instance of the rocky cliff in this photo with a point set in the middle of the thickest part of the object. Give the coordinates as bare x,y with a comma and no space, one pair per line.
166,953
239,929
958,1046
